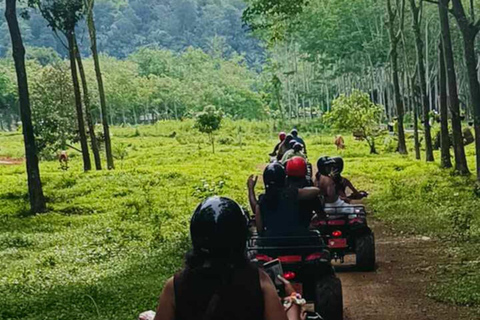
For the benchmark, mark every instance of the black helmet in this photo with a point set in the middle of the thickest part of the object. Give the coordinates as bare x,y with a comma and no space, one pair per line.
298,147
274,175
325,165
219,227
294,132
292,143
338,164
288,138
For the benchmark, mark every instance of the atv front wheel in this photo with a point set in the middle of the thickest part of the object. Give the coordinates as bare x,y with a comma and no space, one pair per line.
365,251
328,298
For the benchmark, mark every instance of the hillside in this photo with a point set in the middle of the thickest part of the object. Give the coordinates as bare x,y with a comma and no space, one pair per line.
125,25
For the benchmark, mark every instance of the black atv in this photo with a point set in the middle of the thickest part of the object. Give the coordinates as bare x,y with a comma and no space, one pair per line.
345,231
306,263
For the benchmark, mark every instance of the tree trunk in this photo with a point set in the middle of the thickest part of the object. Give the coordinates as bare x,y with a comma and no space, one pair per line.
103,104
423,81
87,165
88,108
469,33
460,158
35,190
415,119
394,39
446,160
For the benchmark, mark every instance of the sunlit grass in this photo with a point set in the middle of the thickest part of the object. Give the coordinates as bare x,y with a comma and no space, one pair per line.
111,238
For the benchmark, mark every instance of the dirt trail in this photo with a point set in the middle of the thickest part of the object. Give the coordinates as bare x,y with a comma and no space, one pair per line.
397,290
9,161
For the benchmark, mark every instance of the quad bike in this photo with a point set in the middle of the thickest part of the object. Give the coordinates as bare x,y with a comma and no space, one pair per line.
345,230
307,265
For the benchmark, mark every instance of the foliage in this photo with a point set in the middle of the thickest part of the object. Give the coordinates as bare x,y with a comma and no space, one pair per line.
357,113
124,26
52,109
208,121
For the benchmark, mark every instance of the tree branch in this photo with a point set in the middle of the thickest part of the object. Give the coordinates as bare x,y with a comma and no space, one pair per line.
432,1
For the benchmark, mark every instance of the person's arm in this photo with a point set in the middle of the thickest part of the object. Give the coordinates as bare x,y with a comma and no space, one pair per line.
308,193
274,309
275,150
258,219
349,185
166,304
252,199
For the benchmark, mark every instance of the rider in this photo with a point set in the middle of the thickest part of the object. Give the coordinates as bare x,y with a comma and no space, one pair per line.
294,133
326,183
284,147
277,212
341,183
282,135
218,281
296,151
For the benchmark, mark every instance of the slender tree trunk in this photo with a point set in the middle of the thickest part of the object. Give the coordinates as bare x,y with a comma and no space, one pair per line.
423,81
460,158
446,160
415,119
103,103
469,33
88,108
87,165
35,190
471,62
394,39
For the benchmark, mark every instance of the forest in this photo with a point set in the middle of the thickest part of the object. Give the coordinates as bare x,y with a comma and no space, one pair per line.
118,116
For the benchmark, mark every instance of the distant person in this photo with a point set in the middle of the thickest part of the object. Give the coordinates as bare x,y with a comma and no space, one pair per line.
218,282
339,142
278,211
63,159
281,137
297,138
284,147
296,151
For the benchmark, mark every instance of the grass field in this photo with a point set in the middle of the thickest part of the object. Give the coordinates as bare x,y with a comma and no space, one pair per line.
111,238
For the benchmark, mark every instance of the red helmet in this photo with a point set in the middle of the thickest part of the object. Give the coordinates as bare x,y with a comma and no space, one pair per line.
296,167
282,136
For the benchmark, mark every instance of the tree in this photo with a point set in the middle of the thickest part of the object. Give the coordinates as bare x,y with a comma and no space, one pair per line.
422,77
459,149
88,108
395,36
92,31
470,29
63,16
208,121
446,161
35,190
52,109
358,114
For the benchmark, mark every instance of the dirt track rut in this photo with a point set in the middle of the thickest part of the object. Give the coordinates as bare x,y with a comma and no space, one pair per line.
398,289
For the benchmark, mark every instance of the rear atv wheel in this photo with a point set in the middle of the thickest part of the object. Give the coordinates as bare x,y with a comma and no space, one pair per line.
365,251
329,298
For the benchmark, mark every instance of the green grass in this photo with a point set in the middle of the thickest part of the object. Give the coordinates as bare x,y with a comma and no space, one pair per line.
110,239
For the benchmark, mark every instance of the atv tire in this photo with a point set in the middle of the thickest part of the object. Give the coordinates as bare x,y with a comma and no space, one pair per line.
329,298
365,251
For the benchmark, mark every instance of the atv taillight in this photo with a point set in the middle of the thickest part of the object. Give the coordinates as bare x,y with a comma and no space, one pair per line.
317,256
289,275
337,233
262,257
